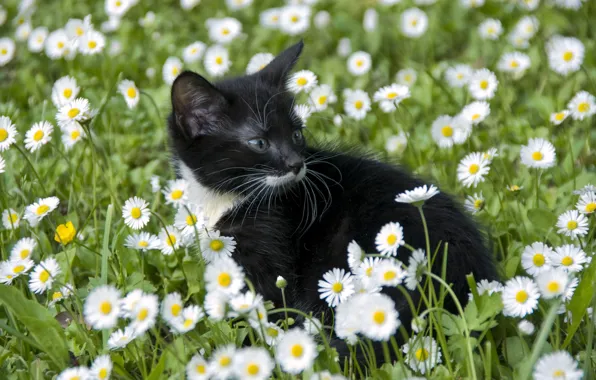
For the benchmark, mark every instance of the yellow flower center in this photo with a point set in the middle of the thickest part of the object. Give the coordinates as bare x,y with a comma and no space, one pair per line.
4,51
491,30
175,309
60,45
187,323
301,81
38,135
79,31
103,373
391,239
359,63
568,56
414,22
92,44
590,207
25,253
337,287
295,18
216,245
297,350
131,92
389,275
474,168
408,78
460,76
358,104
484,84
75,135
75,378
252,369
171,240
191,220
369,271
538,259
42,209
118,3
201,369
447,131
67,93
143,244
567,261
177,194
559,373
57,296
553,287
142,315
225,31
571,225
322,99
73,112
476,116
105,307
175,70
18,269
3,134
422,354
537,156
225,361
379,317
272,332
560,116
478,203
135,212
224,279
193,50
522,296
218,60
514,64
392,95
583,107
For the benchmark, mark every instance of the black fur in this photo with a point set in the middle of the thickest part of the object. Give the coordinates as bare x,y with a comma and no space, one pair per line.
302,230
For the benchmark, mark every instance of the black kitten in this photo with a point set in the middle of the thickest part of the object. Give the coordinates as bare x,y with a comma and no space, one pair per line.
294,209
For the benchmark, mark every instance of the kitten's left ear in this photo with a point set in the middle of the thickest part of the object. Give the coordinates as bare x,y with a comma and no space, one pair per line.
276,72
197,104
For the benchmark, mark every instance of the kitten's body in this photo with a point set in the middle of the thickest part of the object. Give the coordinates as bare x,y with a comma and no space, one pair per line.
293,210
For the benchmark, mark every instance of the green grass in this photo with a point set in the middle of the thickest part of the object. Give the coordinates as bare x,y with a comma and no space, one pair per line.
124,148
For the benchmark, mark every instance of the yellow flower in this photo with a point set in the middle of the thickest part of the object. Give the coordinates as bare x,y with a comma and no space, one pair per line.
65,233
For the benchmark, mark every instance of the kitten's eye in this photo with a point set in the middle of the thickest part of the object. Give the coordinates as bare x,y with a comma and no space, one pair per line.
297,137
258,145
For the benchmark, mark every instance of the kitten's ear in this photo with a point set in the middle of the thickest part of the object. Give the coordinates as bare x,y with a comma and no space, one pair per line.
276,72
197,104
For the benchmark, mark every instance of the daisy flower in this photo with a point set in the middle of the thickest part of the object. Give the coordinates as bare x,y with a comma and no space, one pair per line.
169,240
171,69
224,275
573,224
294,19
37,39
313,326
490,29
76,373
536,258
569,4
117,8
8,133
321,96
217,61
419,194
7,48
356,104
520,297
365,270
389,239
120,338
558,117
526,327
483,84
379,317
414,22
43,275
448,131
475,112
348,318
474,203
128,303
188,320
76,28
176,192
390,96
92,43
530,5
72,134
238,4
190,219
258,62
422,353
215,305
102,307
489,287
388,273
35,212
557,365
406,77
171,307
589,188
223,30
215,246
370,20
271,333
586,204
222,362
130,92
472,169
355,255
193,52
516,63
459,75
565,54
77,110
396,144
10,219
64,91
136,213
582,105
359,63
302,81
23,31
244,303
39,135
569,257
296,351
539,153
59,295
188,4
198,369
17,267
527,27
416,264
144,313
336,286
102,367
552,283
57,44
269,18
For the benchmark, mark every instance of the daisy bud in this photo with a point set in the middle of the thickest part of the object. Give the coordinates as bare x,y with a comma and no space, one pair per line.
281,282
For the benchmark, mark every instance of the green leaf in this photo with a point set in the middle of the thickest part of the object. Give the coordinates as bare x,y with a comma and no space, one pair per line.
542,219
582,298
40,323
158,369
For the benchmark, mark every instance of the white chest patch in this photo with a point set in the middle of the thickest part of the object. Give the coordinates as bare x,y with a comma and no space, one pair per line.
214,204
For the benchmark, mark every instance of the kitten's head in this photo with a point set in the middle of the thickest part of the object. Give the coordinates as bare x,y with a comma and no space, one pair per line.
239,134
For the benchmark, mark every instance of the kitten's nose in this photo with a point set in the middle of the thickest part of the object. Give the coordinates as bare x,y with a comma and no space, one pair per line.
295,165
